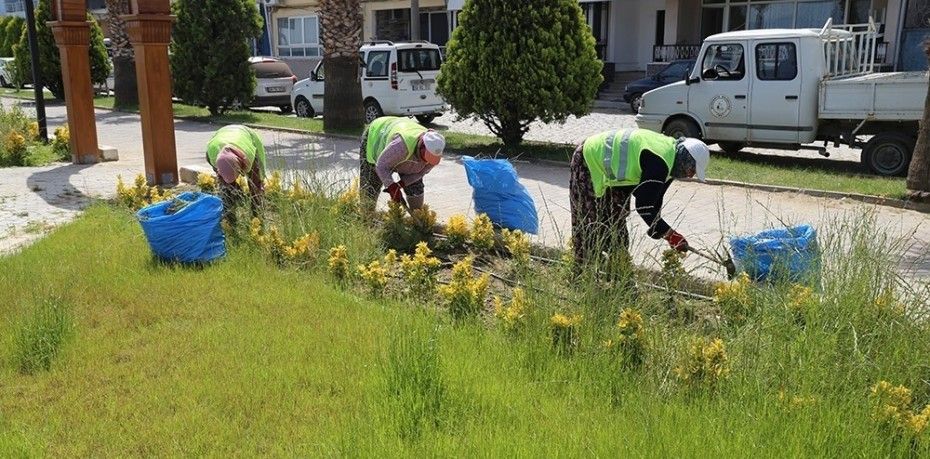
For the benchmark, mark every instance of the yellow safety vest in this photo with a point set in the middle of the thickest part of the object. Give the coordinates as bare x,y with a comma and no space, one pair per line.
613,157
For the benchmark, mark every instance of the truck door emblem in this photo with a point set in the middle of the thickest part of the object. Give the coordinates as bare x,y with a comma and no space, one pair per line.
720,106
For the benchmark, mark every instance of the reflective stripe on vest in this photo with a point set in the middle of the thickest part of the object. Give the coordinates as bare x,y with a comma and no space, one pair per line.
624,155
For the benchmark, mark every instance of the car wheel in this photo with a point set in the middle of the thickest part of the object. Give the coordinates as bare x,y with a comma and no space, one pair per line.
635,102
731,147
286,109
4,83
682,127
426,119
888,153
372,110
303,108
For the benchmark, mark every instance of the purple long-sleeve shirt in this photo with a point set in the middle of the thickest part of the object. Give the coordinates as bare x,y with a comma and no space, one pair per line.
394,159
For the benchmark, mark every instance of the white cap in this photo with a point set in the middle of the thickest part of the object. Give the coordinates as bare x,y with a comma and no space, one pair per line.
701,155
434,142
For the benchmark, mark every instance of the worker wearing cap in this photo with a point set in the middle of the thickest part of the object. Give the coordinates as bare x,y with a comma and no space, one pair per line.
610,168
397,145
236,151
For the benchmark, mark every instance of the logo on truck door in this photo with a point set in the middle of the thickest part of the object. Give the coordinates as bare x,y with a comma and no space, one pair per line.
720,106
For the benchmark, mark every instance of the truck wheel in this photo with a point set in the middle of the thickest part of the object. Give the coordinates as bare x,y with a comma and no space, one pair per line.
682,127
303,108
372,111
426,120
888,153
731,147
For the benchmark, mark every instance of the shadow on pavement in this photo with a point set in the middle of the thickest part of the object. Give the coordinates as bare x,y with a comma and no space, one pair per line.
55,188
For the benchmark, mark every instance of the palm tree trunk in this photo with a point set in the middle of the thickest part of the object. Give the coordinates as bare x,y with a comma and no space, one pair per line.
341,36
125,90
918,176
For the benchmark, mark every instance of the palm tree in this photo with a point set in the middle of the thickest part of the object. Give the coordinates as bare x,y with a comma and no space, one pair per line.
125,90
341,36
918,176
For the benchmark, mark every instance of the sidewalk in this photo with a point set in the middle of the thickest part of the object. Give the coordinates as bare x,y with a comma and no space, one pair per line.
33,197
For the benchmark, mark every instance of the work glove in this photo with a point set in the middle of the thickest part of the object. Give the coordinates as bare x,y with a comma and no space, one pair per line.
394,190
677,241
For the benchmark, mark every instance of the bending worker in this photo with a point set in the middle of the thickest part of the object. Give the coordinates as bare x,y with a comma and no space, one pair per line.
397,144
236,151
611,167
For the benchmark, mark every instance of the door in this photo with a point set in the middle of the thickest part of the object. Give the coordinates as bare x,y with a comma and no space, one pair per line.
317,87
719,98
376,80
776,86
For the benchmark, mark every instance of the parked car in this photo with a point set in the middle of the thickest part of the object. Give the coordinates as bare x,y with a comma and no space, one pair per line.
788,88
6,78
674,71
274,83
397,79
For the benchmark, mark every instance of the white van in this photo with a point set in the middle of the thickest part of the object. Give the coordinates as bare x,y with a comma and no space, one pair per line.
398,79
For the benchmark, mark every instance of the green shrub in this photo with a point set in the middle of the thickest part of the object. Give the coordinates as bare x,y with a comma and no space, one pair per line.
6,48
40,337
12,29
218,79
541,51
50,60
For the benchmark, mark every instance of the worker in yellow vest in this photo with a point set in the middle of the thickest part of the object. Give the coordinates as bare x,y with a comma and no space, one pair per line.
236,151
611,168
397,145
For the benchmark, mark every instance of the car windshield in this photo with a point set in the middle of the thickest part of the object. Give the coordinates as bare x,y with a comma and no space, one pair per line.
676,70
273,69
413,60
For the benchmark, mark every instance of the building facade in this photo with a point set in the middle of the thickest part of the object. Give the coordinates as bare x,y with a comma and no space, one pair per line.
630,34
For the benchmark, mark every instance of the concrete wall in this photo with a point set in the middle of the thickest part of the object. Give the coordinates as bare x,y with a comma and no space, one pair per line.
632,33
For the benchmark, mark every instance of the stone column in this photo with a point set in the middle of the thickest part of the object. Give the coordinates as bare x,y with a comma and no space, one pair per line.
72,34
149,29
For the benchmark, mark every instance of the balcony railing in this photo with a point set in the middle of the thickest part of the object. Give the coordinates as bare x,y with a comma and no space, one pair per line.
668,53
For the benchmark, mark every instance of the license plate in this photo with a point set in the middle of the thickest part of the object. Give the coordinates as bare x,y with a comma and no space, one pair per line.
421,85
275,89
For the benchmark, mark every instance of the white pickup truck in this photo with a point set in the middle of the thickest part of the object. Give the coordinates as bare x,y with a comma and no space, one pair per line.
787,88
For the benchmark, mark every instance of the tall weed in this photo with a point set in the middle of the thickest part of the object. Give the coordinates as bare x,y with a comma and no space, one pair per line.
40,336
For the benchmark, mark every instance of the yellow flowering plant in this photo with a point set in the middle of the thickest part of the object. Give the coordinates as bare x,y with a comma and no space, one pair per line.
705,362
338,263
733,298
140,194
482,233
33,130
61,144
465,295
206,182
375,277
630,339
274,184
348,203
419,271
518,244
801,301
563,330
892,408
512,314
456,231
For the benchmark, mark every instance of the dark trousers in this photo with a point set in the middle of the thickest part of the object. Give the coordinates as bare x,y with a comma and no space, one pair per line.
598,224
369,184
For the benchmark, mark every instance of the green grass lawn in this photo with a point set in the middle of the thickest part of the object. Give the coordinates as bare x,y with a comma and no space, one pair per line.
807,173
245,357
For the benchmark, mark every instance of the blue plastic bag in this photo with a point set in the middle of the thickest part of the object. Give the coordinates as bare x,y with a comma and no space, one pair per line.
498,193
787,253
191,235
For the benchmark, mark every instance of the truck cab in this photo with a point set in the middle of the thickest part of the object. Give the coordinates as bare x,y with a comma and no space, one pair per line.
783,88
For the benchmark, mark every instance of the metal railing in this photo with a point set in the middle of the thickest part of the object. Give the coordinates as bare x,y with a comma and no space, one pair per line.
668,53
850,49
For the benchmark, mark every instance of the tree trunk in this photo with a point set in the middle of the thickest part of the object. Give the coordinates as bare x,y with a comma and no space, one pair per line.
125,90
414,20
918,175
341,36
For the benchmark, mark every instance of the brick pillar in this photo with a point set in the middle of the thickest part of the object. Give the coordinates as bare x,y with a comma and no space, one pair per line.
150,32
73,39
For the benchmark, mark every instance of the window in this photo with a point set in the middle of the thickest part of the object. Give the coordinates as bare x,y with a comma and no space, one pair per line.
273,69
377,64
299,36
412,60
776,61
814,14
13,6
771,16
723,62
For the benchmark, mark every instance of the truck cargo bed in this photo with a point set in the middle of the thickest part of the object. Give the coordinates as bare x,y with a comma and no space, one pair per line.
897,96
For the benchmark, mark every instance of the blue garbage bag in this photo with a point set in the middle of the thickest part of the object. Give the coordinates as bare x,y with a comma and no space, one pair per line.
498,193
191,235
785,253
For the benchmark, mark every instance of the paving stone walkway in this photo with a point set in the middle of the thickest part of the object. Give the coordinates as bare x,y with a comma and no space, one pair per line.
36,197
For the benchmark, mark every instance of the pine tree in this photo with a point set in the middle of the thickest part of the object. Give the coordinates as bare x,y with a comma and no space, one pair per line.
510,63
210,51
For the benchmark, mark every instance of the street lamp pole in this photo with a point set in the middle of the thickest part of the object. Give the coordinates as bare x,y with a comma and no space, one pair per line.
36,73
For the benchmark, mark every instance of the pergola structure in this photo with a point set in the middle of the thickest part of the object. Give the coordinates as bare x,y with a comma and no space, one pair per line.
149,29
